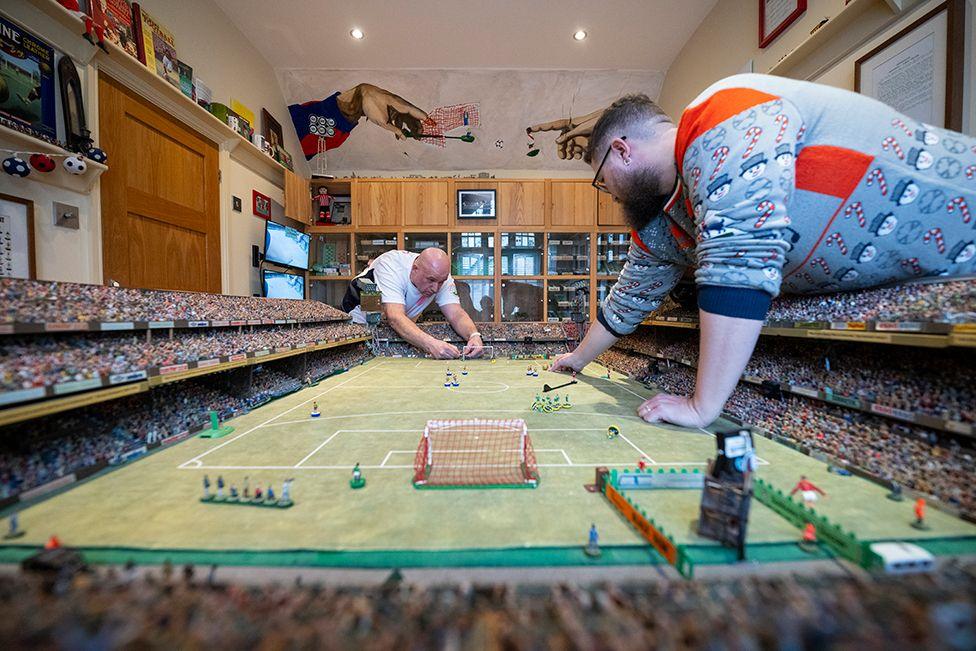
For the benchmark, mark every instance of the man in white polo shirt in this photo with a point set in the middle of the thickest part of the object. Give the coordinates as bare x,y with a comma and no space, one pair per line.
408,283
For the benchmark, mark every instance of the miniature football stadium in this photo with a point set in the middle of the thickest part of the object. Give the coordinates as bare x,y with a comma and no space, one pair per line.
377,418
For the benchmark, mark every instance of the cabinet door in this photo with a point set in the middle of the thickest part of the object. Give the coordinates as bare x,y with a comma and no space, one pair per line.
522,203
573,203
377,203
610,212
298,198
425,203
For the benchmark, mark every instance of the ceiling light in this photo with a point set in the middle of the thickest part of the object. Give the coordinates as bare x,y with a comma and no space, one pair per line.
357,33
579,35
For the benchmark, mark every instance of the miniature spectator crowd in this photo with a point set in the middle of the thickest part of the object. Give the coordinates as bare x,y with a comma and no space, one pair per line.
28,361
507,339
191,608
38,451
946,302
935,464
936,382
31,301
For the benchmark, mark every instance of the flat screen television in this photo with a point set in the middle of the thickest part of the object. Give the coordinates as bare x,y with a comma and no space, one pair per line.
277,284
285,246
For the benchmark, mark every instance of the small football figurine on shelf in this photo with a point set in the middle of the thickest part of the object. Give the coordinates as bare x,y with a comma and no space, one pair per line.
315,410
324,201
592,548
357,481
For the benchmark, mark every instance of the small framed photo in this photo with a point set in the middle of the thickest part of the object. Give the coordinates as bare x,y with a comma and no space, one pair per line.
476,204
775,16
271,130
262,205
16,238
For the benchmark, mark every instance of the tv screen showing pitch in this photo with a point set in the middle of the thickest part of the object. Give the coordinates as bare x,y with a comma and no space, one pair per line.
286,246
281,285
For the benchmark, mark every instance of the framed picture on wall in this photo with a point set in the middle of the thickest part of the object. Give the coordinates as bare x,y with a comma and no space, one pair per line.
918,71
476,204
775,16
16,238
271,130
261,204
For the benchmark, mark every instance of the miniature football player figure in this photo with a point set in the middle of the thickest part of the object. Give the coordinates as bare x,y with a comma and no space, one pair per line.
270,496
315,409
258,495
206,487
286,490
464,370
920,515
247,487
642,464
220,487
233,493
808,490
808,542
357,480
895,495
593,545
14,531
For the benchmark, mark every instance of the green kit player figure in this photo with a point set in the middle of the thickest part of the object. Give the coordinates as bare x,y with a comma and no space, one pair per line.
357,481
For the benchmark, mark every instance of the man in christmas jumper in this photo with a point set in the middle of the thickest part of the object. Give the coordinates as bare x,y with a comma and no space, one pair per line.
765,185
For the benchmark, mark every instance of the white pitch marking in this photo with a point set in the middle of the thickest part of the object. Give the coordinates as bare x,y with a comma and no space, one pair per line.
401,467
243,434
642,453
320,446
566,457
386,458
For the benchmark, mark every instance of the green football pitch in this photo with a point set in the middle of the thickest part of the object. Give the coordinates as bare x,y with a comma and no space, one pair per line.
374,415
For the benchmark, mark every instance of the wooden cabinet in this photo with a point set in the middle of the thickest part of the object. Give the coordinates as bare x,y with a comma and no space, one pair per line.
377,203
425,203
522,203
573,203
298,198
610,212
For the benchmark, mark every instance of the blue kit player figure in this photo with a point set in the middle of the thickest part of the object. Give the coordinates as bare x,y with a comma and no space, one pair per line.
592,548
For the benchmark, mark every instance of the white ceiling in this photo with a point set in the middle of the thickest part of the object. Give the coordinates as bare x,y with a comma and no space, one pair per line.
527,34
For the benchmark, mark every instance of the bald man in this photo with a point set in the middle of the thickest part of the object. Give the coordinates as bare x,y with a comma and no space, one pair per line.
408,283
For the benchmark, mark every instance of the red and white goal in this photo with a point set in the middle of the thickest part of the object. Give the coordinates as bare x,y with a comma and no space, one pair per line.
475,453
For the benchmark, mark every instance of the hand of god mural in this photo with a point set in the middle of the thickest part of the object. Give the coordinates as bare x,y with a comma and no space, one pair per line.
574,133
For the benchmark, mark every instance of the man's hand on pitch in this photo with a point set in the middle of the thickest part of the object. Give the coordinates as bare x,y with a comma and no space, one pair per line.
442,350
474,347
566,363
679,410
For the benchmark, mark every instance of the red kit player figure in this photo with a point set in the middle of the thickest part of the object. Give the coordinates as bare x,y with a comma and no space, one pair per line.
808,490
642,464
325,206
808,542
920,515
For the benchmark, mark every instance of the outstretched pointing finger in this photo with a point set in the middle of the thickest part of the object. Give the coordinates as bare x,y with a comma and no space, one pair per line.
555,125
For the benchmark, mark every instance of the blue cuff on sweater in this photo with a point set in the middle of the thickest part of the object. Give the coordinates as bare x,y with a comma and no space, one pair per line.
737,302
603,321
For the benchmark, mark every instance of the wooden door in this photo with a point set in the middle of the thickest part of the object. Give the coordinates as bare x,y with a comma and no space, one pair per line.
160,197
610,212
377,203
522,203
425,203
573,203
298,201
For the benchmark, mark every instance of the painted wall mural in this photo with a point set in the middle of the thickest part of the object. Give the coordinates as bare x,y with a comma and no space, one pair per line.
452,119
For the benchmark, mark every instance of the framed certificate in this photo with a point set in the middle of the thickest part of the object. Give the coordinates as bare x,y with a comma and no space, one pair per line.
775,16
16,238
918,71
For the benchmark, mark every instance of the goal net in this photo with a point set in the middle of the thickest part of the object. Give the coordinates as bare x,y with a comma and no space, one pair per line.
475,453
487,352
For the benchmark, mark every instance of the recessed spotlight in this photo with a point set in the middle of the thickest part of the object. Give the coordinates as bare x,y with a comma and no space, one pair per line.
357,33
579,35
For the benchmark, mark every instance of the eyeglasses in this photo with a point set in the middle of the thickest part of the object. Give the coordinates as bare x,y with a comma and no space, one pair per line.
597,181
